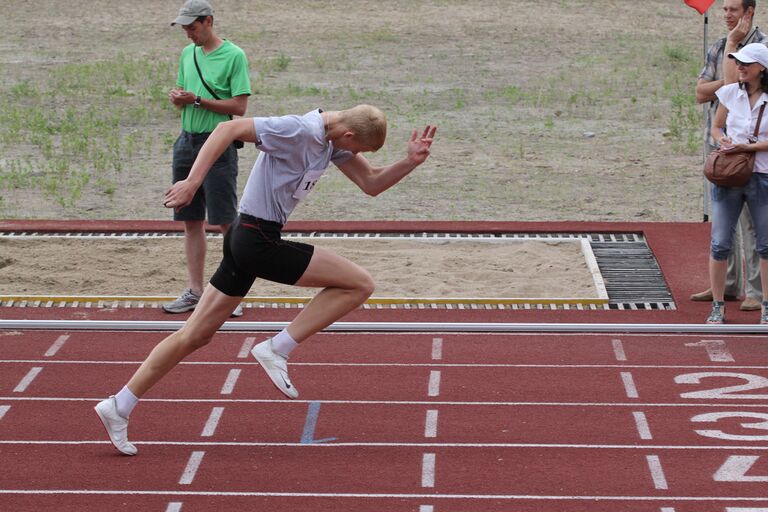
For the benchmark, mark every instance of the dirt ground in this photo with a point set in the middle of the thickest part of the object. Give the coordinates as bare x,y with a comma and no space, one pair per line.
547,111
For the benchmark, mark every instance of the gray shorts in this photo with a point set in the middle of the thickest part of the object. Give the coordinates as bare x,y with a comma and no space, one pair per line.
218,193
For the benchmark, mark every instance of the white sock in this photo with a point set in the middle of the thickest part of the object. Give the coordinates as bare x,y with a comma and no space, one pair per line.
126,401
283,343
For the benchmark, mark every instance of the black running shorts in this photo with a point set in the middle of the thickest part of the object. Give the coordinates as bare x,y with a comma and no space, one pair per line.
254,248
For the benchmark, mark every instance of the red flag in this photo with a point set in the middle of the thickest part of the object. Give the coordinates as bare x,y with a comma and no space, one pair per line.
700,5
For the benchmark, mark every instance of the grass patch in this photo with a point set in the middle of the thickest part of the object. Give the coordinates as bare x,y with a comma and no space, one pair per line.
94,127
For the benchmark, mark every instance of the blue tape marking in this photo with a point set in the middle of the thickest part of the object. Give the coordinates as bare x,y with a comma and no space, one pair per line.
307,437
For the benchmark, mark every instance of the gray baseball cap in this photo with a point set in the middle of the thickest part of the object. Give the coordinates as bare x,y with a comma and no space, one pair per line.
190,11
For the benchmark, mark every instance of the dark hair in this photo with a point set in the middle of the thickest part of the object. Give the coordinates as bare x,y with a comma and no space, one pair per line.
764,80
201,19
746,4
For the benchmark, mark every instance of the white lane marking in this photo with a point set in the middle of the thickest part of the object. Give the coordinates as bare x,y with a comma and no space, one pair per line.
642,425
434,383
657,472
4,409
27,380
629,385
735,469
437,348
430,427
428,470
746,509
213,422
423,496
246,348
426,508
618,350
56,345
717,350
397,402
192,466
229,384
174,506
411,365
557,446
667,509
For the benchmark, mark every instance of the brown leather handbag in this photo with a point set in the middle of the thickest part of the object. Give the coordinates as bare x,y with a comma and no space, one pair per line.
732,169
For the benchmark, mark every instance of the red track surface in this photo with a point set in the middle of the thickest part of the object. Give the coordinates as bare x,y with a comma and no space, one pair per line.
402,422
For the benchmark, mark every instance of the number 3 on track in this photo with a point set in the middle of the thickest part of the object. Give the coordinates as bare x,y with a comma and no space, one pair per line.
761,423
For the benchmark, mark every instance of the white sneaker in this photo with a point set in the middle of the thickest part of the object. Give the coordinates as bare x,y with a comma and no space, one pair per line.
116,425
276,367
237,312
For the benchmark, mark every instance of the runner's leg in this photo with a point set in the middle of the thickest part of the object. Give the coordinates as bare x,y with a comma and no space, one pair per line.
210,314
345,286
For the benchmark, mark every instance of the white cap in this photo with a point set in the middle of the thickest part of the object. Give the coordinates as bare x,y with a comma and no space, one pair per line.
753,52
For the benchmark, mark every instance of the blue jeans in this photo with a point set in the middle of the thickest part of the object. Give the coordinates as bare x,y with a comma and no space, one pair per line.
727,203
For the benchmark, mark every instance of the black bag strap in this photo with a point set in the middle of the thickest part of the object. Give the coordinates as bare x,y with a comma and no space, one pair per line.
216,96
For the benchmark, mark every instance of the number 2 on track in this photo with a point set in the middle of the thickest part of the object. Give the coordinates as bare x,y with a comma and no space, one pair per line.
753,383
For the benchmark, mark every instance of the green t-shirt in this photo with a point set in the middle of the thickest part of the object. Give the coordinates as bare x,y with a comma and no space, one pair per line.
225,71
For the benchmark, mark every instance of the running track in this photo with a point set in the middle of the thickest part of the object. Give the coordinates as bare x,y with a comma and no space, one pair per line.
427,422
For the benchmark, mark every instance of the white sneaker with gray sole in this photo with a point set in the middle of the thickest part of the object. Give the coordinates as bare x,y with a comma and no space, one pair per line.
115,425
276,367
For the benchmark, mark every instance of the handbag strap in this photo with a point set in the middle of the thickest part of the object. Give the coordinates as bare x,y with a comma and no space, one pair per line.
215,96
757,126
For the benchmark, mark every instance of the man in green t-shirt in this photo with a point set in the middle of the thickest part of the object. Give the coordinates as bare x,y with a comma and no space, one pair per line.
213,85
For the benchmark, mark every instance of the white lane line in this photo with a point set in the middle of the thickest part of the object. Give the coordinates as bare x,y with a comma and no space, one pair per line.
657,472
213,422
430,427
495,446
419,496
667,509
642,425
413,365
229,384
426,508
56,345
246,348
174,506
428,470
434,383
4,409
437,348
27,380
629,385
618,350
432,403
192,466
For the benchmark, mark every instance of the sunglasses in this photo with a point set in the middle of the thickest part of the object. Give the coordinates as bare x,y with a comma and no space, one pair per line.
744,64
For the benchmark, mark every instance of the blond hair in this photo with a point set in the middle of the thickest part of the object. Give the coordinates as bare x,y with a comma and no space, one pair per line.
368,123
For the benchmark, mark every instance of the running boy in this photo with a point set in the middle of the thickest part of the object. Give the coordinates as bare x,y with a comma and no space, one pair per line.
295,151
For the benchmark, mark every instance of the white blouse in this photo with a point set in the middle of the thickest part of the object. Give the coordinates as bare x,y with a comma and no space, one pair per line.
741,120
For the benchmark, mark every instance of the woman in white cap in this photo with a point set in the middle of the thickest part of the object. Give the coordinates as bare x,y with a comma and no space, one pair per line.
733,127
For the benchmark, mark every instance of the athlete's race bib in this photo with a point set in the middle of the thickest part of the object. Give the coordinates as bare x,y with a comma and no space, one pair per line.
308,182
